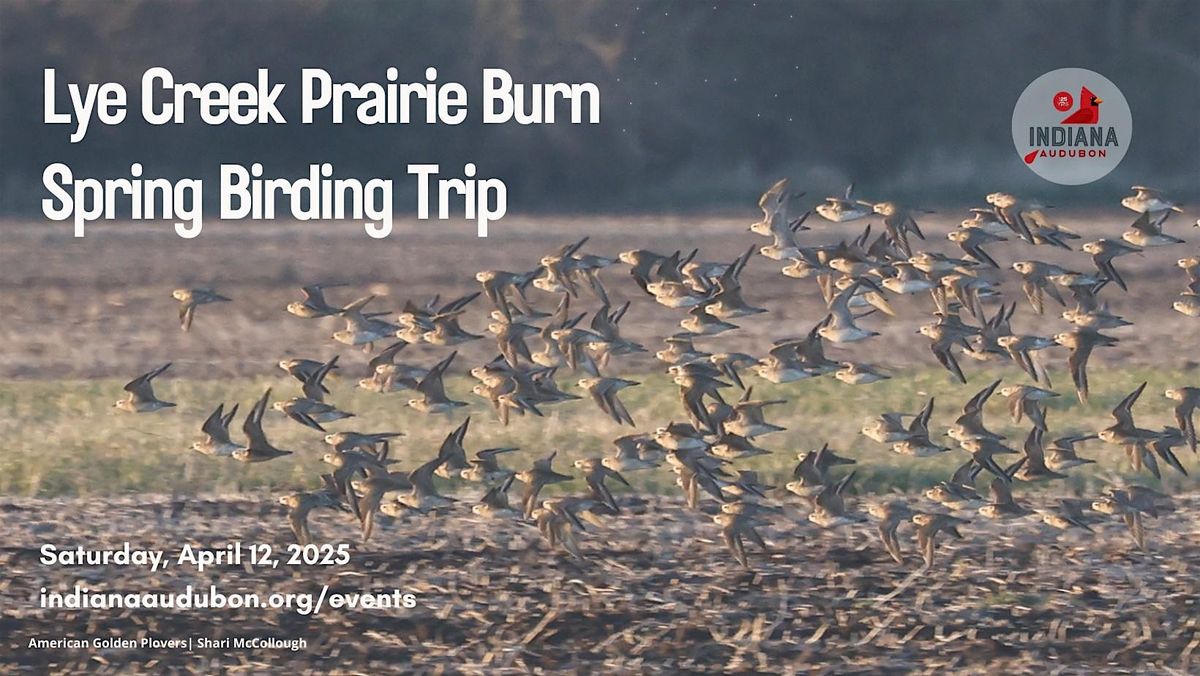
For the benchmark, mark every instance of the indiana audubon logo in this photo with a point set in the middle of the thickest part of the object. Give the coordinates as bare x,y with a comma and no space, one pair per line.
1072,126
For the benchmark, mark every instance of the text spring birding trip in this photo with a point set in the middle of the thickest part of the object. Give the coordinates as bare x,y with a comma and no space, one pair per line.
244,191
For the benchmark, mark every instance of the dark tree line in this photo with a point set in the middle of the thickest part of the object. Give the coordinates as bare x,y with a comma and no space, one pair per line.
703,102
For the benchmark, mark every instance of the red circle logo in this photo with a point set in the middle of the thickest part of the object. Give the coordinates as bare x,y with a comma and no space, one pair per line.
1063,101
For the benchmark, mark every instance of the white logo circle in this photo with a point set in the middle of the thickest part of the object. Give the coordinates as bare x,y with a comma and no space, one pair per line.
1072,126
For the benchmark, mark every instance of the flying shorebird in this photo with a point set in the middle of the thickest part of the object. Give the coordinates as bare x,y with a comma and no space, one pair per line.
1067,514
300,504
452,453
899,222
433,390
535,478
944,334
1061,455
634,452
257,448
363,329
970,425
485,466
887,428
785,247
1081,342
604,393
501,287
424,496
891,514
1025,400
928,526
1188,398
1016,212
216,440
190,299
1148,200
1130,504
594,474
1103,252
140,397
494,503
972,241
858,373
302,369
748,419
734,527
958,492
830,508
311,409
377,484
345,441
1033,467
1036,283
1147,231
841,327
1125,431
774,204
840,209
916,442
314,304
557,523
809,477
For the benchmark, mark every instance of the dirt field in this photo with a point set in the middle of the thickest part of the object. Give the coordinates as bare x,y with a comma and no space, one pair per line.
656,594
102,306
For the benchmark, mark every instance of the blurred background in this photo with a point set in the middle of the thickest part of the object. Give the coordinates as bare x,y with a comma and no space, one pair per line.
703,103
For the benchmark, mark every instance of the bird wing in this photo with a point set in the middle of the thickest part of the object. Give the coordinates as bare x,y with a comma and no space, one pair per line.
887,534
431,385
964,475
298,521
1123,412
771,200
1077,362
422,477
974,406
304,419
252,426
312,387
212,424
1000,492
141,388
1034,451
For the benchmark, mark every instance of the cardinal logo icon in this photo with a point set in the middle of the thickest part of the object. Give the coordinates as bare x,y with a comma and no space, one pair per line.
1062,138
1089,109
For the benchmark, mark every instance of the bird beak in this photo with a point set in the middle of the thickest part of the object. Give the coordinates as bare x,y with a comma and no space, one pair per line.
1097,99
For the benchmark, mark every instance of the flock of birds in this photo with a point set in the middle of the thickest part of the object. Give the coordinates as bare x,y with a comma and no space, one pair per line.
856,278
